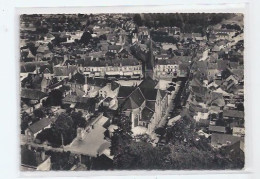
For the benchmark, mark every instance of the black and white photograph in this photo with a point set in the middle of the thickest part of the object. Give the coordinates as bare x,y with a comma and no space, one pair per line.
131,91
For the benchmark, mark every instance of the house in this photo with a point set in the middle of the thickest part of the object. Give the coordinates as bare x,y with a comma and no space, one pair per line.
238,131
171,68
93,85
229,32
167,46
143,32
202,118
108,95
32,160
43,49
86,106
170,30
37,127
114,68
233,118
217,129
48,37
230,142
115,48
233,115
64,71
76,35
33,97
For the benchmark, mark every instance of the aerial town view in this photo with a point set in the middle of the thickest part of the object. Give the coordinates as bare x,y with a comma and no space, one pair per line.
146,91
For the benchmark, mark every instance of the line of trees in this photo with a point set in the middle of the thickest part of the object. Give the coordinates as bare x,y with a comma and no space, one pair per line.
188,22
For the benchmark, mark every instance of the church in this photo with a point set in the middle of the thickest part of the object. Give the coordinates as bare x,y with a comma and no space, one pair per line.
145,104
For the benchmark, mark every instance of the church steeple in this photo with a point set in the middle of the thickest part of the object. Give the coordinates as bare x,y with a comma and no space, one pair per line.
149,61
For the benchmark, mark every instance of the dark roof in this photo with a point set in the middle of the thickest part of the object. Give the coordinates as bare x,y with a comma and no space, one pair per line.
149,93
31,66
111,62
130,104
114,47
32,94
222,64
114,85
89,105
223,139
97,81
217,129
125,91
167,62
151,105
75,99
64,70
147,114
135,100
40,125
148,82
31,158
233,113
224,30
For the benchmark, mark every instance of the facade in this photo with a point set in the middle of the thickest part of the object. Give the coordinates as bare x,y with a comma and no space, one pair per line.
171,68
117,68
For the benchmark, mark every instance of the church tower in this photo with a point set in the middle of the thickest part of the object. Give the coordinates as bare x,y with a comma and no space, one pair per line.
149,66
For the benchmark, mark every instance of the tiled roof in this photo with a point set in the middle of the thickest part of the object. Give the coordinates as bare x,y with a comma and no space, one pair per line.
222,64
125,91
151,105
64,70
224,139
233,113
40,125
114,47
149,93
97,81
147,114
217,129
32,94
135,100
102,63
148,82
31,66
75,99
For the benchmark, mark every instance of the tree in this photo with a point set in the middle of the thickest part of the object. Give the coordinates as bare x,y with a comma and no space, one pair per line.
85,38
160,131
54,99
138,20
78,119
39,113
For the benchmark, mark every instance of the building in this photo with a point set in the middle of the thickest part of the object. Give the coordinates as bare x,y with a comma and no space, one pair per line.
37,127
145,105
171,68
32,160
33,97
114,68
